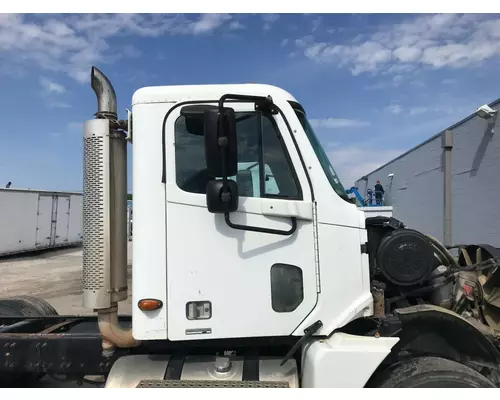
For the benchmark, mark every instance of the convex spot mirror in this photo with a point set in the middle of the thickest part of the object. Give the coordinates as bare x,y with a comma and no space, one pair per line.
221,151
220,202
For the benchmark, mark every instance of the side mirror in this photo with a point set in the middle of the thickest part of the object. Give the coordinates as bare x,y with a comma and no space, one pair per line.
194,124
217,201
221,151
194,118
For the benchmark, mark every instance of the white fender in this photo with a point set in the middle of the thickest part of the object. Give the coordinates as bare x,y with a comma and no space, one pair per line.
343,360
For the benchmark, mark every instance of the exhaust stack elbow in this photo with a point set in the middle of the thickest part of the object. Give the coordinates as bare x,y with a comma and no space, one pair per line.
112,334
105,93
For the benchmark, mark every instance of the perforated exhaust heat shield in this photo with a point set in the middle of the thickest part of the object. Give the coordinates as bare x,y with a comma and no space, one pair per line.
104,216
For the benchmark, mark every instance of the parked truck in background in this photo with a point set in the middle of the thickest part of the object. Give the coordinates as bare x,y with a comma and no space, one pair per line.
251,267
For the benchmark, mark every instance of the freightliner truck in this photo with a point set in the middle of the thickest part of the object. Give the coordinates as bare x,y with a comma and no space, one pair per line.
251,267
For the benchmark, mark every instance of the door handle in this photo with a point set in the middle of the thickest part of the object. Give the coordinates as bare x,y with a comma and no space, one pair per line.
287,208
291,231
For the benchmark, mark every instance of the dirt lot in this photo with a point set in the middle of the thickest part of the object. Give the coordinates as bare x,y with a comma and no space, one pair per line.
54,276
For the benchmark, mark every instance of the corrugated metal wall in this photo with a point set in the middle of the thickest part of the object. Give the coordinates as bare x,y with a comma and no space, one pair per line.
416,190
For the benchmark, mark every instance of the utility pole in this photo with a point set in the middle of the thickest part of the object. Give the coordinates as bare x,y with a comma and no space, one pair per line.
447,144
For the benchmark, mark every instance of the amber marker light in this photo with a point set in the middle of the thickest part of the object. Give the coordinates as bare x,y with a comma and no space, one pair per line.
149,304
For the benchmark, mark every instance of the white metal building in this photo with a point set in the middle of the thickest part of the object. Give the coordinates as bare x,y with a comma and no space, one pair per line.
448,186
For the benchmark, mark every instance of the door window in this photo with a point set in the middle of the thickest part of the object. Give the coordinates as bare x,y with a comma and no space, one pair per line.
264,168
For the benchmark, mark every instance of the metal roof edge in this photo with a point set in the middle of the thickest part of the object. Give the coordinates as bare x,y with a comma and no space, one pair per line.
40,191
493,103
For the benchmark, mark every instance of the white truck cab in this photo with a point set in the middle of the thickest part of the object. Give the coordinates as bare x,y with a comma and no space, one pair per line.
247,247
243,283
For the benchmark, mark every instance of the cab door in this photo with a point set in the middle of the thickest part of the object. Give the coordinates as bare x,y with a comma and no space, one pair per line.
232,283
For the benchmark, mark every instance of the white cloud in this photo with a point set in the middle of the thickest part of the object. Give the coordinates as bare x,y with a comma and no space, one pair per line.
71,44
352,162
395,109
337,123
284,42
398,109
236,25
209,22
316,23
51,92
131,51
396,81
407,54
434,41
269,20
56,104
49,86
304,41
418,110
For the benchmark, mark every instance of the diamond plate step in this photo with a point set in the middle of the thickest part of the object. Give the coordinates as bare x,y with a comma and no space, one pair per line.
210,384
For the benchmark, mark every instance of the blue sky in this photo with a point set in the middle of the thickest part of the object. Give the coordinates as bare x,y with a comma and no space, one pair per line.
373,85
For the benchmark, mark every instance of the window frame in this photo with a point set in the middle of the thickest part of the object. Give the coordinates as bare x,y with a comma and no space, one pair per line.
277,131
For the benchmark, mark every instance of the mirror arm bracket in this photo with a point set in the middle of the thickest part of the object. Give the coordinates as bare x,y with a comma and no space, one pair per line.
291,231
261,103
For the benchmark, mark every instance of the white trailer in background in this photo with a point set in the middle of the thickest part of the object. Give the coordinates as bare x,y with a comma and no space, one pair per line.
37,219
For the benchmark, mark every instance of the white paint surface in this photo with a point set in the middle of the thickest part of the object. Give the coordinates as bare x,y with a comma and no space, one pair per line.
343,361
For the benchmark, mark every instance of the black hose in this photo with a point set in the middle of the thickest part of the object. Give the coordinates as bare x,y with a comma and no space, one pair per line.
437,244
420,291
443,260
455,246
489,263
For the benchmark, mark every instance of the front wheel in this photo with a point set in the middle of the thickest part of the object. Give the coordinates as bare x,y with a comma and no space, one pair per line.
430,372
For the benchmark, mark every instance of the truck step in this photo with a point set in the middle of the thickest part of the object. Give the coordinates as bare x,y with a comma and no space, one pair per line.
210,384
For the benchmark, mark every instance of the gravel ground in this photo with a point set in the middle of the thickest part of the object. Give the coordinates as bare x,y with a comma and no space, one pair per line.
54,276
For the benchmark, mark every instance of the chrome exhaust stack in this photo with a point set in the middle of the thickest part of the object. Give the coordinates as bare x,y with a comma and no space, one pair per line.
105,215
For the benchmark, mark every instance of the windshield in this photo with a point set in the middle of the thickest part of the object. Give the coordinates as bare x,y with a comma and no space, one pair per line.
320,153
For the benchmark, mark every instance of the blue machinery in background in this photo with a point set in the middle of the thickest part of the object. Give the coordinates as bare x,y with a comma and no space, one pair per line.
355,192
369,201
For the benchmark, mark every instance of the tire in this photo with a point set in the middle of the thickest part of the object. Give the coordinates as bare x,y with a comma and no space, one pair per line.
23,306
430,372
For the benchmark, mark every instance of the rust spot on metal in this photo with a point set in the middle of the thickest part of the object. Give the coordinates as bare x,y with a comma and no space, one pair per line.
55,327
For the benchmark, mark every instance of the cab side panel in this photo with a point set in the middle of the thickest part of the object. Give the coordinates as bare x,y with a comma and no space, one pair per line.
149,273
